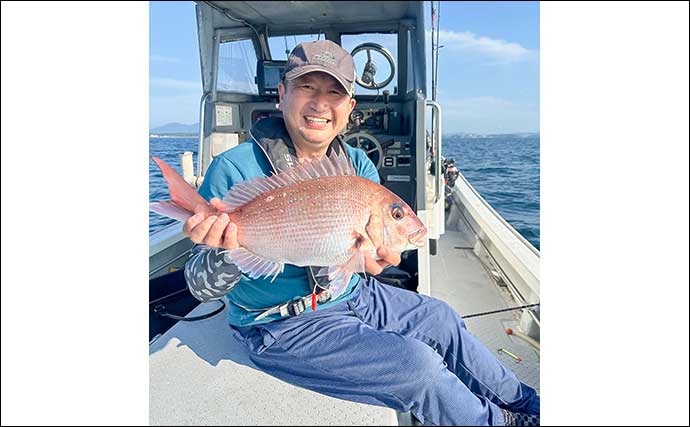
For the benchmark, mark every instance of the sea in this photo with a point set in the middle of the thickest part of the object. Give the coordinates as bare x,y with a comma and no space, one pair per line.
504,169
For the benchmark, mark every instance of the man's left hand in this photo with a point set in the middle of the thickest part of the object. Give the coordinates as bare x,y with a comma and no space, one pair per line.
387,258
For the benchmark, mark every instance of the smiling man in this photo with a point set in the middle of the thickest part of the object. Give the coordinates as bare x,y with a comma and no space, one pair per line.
315,109
319,96
373,343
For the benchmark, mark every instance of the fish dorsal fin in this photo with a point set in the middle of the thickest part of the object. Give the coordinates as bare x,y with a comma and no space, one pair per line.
246,191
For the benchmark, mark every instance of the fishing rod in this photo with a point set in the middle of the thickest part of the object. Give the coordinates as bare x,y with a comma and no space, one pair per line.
500,311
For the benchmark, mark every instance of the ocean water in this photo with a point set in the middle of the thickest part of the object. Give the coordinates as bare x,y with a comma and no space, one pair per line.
503,169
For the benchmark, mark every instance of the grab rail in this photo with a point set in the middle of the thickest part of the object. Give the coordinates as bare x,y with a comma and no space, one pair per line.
436,144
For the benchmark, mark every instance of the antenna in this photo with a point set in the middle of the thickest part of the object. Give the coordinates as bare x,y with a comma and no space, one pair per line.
438,33
435,33
433,50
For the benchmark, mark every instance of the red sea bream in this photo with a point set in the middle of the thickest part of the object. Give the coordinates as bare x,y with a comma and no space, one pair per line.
316,214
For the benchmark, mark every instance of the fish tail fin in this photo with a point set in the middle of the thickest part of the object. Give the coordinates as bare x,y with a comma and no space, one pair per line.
185,199
170,209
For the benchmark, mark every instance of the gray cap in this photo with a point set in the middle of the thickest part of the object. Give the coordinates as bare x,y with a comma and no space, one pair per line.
325,56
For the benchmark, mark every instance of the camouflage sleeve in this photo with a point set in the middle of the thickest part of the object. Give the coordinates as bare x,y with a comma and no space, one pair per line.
209,273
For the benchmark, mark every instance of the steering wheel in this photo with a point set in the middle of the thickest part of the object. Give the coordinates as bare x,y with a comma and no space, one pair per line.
367,79
369,144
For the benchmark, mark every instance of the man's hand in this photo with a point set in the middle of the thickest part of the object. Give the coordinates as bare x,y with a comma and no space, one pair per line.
387,258
214,230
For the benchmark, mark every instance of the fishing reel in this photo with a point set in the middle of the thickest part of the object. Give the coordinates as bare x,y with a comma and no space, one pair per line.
367,80
450,172
450,175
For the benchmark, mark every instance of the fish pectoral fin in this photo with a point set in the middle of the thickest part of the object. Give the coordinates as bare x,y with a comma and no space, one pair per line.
253,265
375,230
362,244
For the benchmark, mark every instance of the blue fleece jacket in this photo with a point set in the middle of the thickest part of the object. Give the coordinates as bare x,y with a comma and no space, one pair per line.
249,297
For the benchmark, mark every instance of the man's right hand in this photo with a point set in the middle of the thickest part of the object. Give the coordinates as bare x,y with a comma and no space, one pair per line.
214,230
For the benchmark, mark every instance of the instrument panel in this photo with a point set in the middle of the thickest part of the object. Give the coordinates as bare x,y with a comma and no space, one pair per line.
377,131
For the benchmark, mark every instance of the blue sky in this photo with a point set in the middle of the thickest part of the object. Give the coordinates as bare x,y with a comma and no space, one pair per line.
488,68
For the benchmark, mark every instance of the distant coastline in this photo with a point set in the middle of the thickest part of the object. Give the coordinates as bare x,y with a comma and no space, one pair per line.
459,135
467,135
175,130
181,130
173,135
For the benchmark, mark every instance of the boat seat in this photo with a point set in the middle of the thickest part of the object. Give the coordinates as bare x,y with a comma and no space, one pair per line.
221,142
200,375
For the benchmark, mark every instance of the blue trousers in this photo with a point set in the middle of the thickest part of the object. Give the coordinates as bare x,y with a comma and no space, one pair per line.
391,347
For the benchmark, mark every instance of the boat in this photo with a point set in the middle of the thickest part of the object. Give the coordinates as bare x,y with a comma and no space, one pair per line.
474,260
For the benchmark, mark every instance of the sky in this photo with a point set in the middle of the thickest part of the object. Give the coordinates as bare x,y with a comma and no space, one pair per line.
488,77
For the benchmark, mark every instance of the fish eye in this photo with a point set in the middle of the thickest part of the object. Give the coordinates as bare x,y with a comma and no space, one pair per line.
397,212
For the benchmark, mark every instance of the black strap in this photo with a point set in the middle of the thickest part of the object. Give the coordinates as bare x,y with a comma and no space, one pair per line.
160,310
296,307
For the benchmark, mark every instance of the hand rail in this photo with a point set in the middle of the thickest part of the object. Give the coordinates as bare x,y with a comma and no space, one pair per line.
436,144
202,117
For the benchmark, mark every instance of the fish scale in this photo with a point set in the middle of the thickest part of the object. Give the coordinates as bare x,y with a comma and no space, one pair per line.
314,218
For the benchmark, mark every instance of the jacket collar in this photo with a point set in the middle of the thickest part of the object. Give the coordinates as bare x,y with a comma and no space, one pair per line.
271,135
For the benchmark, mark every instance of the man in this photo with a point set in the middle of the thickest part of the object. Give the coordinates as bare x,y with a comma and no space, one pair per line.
374,343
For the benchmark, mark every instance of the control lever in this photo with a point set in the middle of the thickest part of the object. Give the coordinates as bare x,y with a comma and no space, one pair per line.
386,97
387,144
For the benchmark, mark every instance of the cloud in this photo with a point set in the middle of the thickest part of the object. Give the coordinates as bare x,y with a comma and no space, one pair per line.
389,41
488,114
166,59
174,83
493,48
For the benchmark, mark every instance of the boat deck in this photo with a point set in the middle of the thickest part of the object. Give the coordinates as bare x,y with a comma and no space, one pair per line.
199,374
462,281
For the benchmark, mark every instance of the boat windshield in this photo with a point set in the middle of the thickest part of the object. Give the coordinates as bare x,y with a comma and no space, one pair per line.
237,67
281,46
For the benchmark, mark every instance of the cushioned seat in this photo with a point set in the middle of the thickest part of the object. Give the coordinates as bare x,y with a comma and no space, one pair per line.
200,375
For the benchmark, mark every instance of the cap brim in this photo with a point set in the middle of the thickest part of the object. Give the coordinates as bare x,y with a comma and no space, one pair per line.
306,69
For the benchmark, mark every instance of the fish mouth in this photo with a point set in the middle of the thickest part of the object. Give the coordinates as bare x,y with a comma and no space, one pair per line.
417,238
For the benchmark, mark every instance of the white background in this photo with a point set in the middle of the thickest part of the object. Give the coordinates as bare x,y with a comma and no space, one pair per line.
614,213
